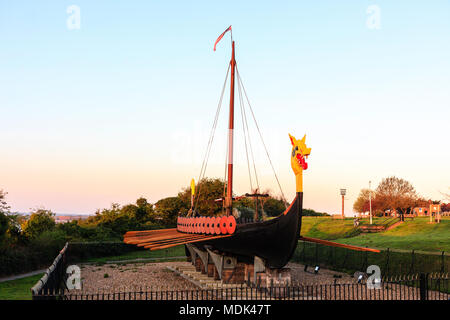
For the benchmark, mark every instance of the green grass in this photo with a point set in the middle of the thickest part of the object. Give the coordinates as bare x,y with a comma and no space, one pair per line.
415,234
327,228
19,289
142,254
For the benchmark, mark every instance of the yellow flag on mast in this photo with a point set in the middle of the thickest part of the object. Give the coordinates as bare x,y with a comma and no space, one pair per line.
192,193
192,187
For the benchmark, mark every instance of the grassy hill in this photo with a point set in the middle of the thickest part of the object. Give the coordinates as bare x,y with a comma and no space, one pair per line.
415,234
327,228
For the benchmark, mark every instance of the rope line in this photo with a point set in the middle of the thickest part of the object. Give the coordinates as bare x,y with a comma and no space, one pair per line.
260,135
241,104
210,141
249,142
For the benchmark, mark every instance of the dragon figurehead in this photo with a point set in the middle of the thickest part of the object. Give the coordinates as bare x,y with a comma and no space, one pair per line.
299,154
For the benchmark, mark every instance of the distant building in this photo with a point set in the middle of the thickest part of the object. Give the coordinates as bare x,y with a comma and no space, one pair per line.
65,219
434,208
420,211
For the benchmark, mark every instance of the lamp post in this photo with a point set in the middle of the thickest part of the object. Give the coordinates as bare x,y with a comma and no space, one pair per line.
430,211
343,192
370,203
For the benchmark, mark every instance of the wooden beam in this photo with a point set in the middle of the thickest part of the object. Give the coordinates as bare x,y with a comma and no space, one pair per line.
184,242
335,244
143,244
146,232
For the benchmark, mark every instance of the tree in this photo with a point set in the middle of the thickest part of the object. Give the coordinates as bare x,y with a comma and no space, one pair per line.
4,221
40,220
365,200
4,225
445,207
4,208
312,213
396,194
14,233
142,211
167,209
113,222
274,207
207,191
359,204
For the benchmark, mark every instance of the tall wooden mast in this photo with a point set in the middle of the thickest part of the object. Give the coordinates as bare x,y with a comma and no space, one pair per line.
229,197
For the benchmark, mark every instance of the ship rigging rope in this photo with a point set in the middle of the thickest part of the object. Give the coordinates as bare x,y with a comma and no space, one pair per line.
241,89
260,135
241,104
247,137
210,141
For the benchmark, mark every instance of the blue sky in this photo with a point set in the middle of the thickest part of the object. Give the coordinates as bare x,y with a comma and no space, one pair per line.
122,107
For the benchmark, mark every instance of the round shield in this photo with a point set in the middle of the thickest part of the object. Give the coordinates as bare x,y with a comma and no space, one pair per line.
223,225
211,225
208,225
195,224
197,228
217,225
231,224
202,224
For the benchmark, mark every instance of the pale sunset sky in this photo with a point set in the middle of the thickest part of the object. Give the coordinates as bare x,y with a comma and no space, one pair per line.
107,101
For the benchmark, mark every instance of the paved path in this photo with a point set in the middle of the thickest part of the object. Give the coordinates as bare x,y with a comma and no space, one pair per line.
23,275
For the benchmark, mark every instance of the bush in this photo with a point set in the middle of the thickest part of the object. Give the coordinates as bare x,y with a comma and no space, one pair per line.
79,251
41,220
25,259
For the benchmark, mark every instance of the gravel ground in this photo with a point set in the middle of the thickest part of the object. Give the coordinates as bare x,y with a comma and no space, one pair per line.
324,276
110,277
156,278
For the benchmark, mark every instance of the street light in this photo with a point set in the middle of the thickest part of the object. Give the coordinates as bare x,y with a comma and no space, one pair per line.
370,203
343,192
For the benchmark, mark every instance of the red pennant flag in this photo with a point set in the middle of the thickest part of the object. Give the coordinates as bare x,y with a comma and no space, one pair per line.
221,36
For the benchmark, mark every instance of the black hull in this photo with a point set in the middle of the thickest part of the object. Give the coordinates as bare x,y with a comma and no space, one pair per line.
274,240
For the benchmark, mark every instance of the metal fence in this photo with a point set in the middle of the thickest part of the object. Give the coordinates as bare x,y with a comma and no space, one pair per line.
53,279
391,261
415,283
412,287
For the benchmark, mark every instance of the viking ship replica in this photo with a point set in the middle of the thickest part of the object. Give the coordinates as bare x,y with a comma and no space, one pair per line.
266,243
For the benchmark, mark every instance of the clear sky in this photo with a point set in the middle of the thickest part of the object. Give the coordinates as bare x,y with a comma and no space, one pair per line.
118,104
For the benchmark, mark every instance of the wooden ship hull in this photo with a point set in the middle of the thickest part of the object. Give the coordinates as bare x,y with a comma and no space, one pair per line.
273,240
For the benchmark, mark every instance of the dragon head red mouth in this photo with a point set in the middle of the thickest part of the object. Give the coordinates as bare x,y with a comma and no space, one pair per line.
301,161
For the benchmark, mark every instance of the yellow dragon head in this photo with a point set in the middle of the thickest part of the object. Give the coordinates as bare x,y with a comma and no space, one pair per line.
298,155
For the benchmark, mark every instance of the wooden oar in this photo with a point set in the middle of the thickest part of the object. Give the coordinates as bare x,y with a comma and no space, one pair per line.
180,243
168,233
169,240
335,244
146,232
154,237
